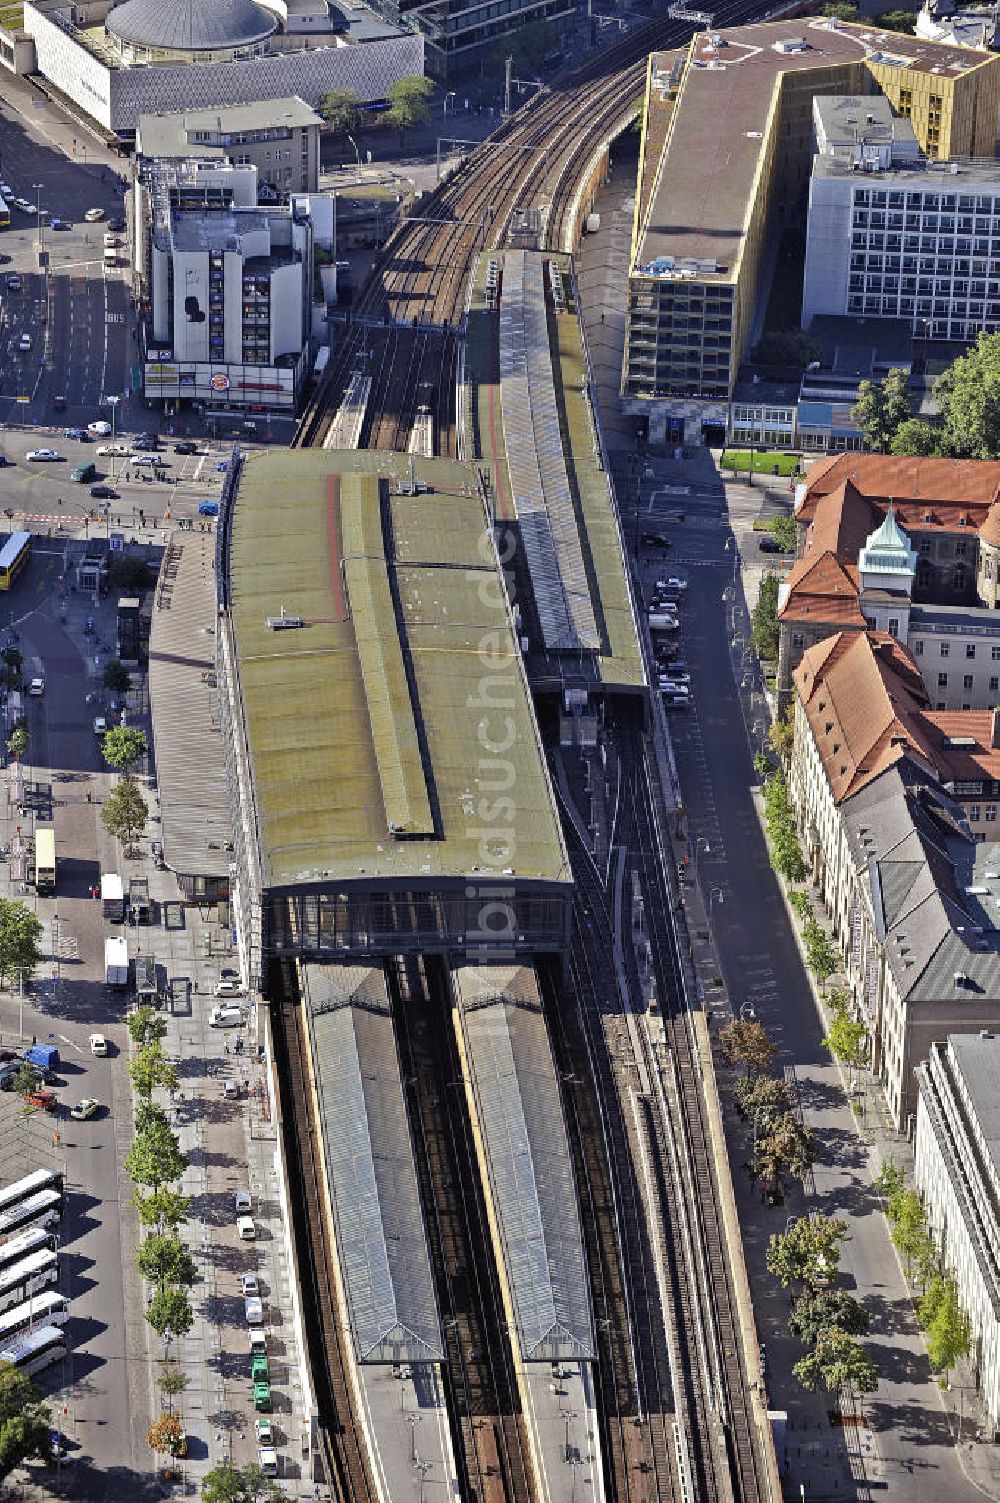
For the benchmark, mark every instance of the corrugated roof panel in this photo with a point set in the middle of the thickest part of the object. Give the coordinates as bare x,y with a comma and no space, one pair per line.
530,1169
390,709
371,1174
536,461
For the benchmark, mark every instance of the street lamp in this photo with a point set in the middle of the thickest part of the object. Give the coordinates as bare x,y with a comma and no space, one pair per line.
700,843
450,95
113,404
715,895
38,213
356,152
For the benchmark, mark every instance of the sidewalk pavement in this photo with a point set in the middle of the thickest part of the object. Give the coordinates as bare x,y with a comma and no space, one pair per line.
890,1440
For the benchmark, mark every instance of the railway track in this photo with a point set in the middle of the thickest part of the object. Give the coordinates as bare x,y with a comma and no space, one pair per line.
488,1435
420,282
345,1450
683,1111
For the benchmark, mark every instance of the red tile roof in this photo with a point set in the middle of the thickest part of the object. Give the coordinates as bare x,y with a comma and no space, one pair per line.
863,696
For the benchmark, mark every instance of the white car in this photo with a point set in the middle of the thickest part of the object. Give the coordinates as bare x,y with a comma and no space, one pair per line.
675,678
24,343
254,1311
98,1044
250,1284
24,206
113,449
675,583
269,1461
225,1017
94,216
37,687
42,456
88,1107
242,1202
229,987
100,429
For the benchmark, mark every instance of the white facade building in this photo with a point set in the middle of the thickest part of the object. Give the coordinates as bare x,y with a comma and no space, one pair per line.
229,290
957,1170
87,63
891,234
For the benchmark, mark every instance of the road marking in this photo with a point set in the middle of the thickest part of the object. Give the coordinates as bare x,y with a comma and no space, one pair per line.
64,1040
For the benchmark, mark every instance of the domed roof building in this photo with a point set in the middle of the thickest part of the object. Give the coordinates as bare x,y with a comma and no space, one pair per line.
192,30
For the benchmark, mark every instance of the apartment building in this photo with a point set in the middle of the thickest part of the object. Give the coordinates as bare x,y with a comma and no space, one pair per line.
729,135
883,789
957,1171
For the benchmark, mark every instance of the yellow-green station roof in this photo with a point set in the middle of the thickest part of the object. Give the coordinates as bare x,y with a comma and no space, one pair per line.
383,729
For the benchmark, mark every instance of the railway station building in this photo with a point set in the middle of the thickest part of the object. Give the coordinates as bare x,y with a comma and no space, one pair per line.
390,791
707,204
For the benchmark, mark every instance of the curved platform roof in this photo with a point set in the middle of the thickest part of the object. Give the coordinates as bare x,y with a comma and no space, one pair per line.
371,1174
180,26
528,1161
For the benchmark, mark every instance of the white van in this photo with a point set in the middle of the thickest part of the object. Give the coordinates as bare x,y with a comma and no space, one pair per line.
246,1229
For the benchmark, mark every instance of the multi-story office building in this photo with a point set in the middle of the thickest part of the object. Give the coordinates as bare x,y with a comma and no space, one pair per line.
957,1171
280,139
892,234
455,32
726,157
229,289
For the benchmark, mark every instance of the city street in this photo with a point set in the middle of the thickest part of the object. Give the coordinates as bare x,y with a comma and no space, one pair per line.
77,314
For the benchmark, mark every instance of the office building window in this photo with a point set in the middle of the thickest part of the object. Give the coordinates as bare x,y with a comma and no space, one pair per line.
942,680
970,649
995,685
946,649
975,813
967,681
918,649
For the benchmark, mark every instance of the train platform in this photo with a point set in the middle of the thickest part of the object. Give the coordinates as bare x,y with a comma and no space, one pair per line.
527,410
562,1415
404,1414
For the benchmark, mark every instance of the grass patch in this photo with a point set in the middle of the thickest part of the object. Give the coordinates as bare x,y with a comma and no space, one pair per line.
764,463
12,17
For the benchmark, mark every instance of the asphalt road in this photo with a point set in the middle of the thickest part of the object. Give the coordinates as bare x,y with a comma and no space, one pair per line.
77,313
44,495
91,1397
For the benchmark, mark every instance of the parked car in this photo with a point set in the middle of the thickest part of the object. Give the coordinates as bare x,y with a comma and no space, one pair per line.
253,1309
113,449
208,509
268,1461
655,540
77,434
44,1101
100,725
55,223
100,428
265,1433
241,1199
94,216
674,583
186,447
246,1230
42,456
88,1107
84,473
24,343
98,1045
229,986
225,1016
37,687
262,1397
250,1284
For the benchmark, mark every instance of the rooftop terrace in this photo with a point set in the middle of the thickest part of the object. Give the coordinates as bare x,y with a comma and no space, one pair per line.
699,205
